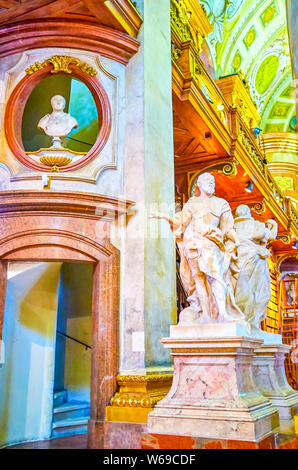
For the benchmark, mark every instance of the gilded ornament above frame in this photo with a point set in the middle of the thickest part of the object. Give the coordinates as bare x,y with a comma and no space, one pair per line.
61,64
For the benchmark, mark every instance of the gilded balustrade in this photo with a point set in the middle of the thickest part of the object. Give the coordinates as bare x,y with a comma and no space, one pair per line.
225,104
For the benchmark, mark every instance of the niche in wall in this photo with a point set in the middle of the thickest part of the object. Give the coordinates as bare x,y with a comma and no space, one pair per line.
79,103
85,100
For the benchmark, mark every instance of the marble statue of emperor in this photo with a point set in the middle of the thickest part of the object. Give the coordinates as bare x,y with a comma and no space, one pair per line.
208,248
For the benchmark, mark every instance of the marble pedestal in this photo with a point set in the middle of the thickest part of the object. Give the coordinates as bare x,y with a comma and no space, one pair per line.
213,394
270,378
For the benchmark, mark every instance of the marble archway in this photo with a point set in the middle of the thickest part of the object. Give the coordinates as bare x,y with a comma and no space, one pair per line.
49,226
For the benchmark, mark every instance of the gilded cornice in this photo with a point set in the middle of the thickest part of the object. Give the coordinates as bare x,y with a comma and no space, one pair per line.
126,14
198,18
238,96
188,87
141,390
227,109
189,22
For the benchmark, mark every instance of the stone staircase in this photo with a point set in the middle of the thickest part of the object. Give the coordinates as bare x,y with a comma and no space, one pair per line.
69,417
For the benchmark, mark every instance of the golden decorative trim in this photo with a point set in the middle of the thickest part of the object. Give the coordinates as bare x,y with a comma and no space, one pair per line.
236,91
230,169
137,396
189,22
135,400
259,207
227,168
34,68
61,64
62,149
55,161
286,239
282,258
128,379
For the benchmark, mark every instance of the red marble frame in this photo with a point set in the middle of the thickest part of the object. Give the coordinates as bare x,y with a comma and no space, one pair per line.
42,226
16,105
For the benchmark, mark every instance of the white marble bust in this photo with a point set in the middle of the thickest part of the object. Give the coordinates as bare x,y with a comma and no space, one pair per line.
57,124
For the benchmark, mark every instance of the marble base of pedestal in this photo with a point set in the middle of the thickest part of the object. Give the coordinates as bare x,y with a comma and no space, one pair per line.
170,441
213,394
270,378
103,435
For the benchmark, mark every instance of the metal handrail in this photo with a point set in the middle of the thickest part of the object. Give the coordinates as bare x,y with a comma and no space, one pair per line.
73,339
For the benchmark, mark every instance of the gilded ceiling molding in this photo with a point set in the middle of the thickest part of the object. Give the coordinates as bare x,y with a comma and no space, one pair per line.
217,13
67,33
270,65
285,142
285,183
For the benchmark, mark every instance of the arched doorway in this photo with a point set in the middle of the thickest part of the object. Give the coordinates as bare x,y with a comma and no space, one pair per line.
72,227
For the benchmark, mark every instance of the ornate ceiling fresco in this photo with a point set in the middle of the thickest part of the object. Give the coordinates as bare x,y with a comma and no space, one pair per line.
250,36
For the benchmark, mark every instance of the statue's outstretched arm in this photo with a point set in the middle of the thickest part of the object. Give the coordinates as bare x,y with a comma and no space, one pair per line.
158,215
179,221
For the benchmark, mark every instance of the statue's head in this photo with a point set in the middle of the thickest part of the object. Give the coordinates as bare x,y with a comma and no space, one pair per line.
206,183
242,211
58,103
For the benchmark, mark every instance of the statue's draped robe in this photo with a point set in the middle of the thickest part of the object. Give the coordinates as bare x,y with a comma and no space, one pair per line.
200,229
253,289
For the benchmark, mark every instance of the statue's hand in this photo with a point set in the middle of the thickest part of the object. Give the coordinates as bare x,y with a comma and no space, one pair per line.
157,215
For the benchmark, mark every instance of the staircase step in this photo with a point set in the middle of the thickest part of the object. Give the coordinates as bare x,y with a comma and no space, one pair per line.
71,422
71,410
59,397
70,427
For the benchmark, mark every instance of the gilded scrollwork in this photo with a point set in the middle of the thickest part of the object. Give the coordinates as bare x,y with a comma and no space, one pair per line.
61,64
259,207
